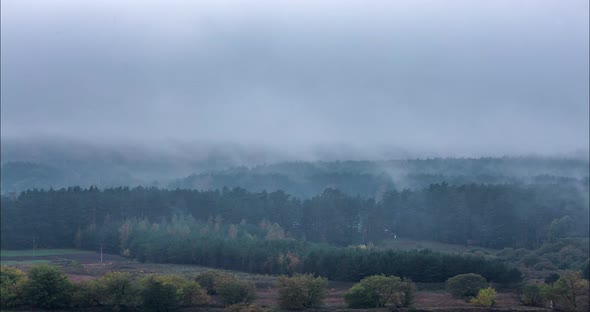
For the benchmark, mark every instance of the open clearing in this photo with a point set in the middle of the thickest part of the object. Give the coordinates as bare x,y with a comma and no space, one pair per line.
82,265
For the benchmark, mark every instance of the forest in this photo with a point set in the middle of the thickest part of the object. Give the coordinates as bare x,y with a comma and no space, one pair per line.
496,216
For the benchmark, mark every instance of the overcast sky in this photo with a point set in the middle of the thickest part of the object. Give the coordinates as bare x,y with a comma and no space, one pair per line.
449,77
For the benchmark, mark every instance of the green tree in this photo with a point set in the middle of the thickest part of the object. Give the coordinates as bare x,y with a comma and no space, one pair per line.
11,280
531,296
188,293
569,293
211,279
47,287
379,290
466,285
120,289
158,296
233,291
301,291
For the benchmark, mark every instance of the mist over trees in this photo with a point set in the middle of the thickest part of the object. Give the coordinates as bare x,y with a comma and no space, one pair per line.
495,216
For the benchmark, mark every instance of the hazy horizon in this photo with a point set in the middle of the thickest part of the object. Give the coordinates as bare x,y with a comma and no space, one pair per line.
302,80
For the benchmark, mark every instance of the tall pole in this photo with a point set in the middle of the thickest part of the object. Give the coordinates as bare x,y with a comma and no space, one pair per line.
100,253
34,248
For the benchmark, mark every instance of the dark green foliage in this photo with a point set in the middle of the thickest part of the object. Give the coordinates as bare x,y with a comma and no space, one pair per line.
88,294
158,296
211,279
466,285
47,287
551,278
11,280
233,291
530,260
120,289
531,296
569,293
510,215
353,264
359,297
301,291
379,290
187,241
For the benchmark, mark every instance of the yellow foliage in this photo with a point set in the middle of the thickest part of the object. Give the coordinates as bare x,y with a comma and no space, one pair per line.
485,298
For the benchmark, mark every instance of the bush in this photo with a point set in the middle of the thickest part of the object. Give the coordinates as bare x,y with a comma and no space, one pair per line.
301,291
188,293
47,287
11,280
531,296
379,290
407,293
120,290
158,296
209,280
233,291
466,285
485,298
88,294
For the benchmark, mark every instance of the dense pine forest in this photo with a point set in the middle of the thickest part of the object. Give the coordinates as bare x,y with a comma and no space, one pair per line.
506,215
275,233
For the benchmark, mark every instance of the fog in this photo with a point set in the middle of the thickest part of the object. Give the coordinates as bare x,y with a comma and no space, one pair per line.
448,78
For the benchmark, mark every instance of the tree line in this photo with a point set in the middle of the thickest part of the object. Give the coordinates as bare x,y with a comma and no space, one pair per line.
264,249
497,216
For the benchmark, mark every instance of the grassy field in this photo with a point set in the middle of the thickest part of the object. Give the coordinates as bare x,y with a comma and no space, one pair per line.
38,252
23,262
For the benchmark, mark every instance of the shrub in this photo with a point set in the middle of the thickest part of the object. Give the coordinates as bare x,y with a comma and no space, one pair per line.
158,296
379,290
531,296
407,293
301,291
47,287
485,298
233,291
209,280
359,296
188,293
465,285
88,294
120,289
11,280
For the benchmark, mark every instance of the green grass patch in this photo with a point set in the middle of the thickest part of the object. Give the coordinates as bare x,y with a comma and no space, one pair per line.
39,252
23,262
